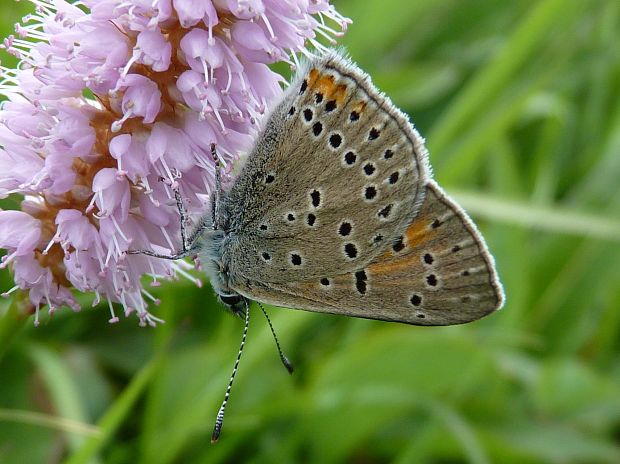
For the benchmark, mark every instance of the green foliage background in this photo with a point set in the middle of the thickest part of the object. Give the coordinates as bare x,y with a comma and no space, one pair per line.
519,102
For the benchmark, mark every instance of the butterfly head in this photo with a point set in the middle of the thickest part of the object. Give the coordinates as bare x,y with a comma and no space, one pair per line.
208,243
235,303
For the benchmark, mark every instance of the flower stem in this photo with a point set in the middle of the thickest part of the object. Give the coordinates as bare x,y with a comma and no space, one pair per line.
12,320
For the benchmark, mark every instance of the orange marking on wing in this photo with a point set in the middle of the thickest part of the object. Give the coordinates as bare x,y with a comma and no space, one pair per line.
416,234
339,94
419,232
326,85
387,263
313,76
359,107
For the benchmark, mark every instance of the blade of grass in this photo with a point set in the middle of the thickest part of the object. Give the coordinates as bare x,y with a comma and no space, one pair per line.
494,76
117,413
550,219
462,432
493,125
520,97
65,395
62,424
590,258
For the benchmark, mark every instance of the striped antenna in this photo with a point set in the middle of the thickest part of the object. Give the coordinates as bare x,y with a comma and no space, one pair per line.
283,358
220,415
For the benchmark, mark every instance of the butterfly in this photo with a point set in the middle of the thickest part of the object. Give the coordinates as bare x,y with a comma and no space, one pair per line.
335,211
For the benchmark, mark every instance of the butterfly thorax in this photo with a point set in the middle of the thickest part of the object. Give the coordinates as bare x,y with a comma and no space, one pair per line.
210,246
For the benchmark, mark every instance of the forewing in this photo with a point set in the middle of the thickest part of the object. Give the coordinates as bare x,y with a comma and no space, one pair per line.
438,272
335,173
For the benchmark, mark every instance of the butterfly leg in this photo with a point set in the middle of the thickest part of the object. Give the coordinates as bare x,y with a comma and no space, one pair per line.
186,244
218,187
172,257
184,220
187,241
204,222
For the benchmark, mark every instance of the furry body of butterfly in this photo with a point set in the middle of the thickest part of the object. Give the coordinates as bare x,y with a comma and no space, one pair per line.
335,211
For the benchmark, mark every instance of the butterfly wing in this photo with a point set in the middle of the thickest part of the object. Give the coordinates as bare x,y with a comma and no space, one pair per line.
336,171
438,272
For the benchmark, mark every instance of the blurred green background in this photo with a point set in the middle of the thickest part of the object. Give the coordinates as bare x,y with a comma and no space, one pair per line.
519,102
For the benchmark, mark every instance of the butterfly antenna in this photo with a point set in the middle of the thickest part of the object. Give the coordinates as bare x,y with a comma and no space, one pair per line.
218,185
220,414
283,358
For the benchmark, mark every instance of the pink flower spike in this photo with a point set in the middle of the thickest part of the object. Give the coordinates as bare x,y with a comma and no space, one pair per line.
19,232
191,12
153,50
115,105
253,43
141,98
